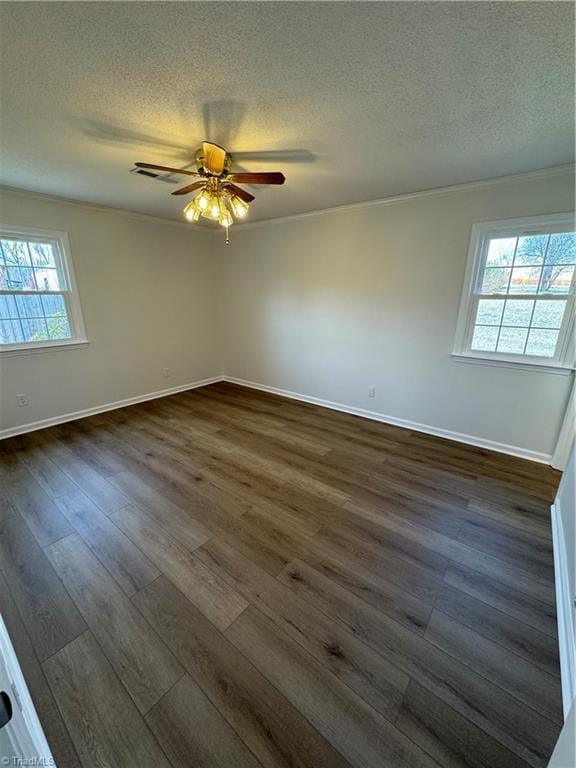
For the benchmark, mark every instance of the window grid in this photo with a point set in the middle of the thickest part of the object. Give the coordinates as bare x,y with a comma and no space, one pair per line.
21,319
507,296
56,268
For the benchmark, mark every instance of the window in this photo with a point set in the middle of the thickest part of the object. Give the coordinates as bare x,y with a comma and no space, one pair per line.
38,301
518,300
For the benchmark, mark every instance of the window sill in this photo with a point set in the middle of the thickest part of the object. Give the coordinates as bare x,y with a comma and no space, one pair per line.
552,368
10,350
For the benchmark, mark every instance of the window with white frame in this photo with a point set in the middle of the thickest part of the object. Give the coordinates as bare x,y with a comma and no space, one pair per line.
518,300
39,305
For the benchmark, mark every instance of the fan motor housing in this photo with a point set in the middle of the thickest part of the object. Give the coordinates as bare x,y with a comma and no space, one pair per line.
199,158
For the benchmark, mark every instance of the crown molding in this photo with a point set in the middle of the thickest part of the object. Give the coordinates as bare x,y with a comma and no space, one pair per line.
138,215
542,173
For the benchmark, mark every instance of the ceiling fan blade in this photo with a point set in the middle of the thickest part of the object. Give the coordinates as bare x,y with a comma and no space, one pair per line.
166,168
239,192
273,177
189,188
213,158
157,176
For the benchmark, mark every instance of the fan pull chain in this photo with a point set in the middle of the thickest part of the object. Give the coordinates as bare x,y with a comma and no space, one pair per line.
227,236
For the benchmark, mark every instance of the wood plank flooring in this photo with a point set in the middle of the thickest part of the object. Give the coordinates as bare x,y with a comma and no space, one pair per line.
229,578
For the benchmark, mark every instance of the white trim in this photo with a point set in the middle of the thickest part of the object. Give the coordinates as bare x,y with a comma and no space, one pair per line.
30,728
10,350
508,362
458,437
564,609
32,426
567,434
46,196
480,236
542,173
453,189
69,292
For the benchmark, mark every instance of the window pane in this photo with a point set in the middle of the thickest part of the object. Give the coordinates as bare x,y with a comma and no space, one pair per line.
512,340
489,311
542,343
54,306
47,279
485,338
556,279
58,328
518,312
42,254
18,279
29,306
7,307
531,250
34,330
15,253
548,314
525,279
501,252
495,280
562,249
10,332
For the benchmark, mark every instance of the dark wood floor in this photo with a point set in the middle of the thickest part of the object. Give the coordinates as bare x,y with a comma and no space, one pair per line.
228,579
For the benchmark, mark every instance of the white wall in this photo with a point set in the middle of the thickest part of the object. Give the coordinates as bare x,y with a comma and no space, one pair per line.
148,294
324,306
329,305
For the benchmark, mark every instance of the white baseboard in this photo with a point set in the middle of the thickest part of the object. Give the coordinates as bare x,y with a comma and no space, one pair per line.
564,609
448,434
459,437
43,423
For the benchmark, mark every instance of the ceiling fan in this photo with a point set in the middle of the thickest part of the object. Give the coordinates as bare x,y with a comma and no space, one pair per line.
218,196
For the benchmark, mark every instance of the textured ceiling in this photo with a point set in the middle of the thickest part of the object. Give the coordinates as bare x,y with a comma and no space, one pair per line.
353,101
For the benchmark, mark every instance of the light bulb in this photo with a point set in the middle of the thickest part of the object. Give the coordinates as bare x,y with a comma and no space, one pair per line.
239,207
227,221
189,214
202,202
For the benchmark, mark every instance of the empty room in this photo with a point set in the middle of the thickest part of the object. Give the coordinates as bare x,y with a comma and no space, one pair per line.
287,410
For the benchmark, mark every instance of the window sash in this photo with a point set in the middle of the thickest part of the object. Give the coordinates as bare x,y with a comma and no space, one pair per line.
69,314
563,331
68,291
481,236
59,258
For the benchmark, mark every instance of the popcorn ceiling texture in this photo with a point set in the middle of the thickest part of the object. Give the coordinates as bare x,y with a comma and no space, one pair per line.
373,99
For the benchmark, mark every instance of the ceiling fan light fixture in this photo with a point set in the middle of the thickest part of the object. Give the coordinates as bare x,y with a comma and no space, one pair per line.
239,207
192,212
219,198
216,201
203,200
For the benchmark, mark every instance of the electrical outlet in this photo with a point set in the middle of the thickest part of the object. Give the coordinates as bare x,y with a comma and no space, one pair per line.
166,372
22,400
371,391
